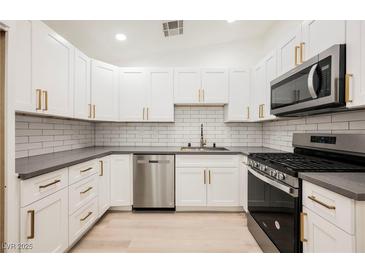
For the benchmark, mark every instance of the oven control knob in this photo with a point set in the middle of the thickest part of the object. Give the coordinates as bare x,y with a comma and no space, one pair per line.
273,173
281,176
255,164
263,168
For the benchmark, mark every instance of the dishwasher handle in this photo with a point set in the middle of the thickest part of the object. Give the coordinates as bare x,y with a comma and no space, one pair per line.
153,161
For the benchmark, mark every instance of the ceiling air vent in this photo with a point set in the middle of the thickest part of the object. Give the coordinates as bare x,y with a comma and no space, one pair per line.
172,28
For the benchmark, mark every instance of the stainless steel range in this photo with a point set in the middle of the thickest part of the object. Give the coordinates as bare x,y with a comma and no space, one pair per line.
274,189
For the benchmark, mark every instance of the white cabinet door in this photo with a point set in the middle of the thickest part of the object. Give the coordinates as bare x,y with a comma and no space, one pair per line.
287,52
133,94
223,187
25,96
104,91
82,95
215,86
256,97
323,237
52,69
191,187
239,96
104,185
243,183
318,35
120,180
355,62
270,74
187,86
161,106
44,224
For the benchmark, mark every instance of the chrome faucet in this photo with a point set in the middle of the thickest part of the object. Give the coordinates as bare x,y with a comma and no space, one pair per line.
202,141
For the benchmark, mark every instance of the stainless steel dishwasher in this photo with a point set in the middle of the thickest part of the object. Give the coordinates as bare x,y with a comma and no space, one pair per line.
153,181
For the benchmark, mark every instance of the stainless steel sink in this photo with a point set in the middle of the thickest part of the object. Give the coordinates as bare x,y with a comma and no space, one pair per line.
204,149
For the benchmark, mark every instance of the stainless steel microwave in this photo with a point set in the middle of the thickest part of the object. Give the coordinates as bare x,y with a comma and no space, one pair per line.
316,86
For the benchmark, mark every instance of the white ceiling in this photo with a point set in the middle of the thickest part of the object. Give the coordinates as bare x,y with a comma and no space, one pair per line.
97,38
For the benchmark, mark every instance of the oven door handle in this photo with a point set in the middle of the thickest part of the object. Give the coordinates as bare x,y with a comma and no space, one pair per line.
287,189
312,92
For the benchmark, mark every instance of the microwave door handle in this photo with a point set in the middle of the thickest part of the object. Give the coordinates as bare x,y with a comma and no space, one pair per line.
312,92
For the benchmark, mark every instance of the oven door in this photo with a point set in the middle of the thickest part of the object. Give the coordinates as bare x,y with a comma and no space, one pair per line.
275,208
315,84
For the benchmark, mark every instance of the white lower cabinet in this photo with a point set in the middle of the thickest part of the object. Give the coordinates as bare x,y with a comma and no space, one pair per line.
104,185
44,224
322,236
243,182
82,220
121,180
200,182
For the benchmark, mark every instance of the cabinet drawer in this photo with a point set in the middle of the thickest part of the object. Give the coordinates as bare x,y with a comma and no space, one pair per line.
206,161
36,188
83,170
82,220
333,207
82,192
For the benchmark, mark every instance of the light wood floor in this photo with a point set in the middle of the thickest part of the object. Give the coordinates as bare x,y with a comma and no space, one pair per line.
169,232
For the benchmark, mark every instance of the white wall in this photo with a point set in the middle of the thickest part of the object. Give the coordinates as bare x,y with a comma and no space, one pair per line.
237,54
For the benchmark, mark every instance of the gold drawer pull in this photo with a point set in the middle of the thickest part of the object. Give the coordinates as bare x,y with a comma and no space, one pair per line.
87,169
314,199
87,216
86,190
302,215
50,184
31,236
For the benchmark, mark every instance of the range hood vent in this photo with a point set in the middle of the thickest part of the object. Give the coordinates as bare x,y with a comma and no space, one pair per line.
172,28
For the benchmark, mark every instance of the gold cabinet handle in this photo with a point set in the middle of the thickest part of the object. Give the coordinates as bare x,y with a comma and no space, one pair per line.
348,97
302,215
39,99
94,111
87,169
45,92
248,112
314,199
86,190
209,175
101,168
50,184
203,91
147,113
205,176
143,113
301,56
296,55
87,216
90,111
31,236
199,90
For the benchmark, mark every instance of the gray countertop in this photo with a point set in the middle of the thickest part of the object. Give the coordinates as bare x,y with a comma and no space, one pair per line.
351,185
29,167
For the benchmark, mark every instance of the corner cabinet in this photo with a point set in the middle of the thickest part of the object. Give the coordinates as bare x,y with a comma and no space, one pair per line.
238,108
121,180
201,86
104,91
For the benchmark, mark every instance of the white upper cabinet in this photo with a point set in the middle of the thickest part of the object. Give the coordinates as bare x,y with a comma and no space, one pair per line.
319,35
146,94
257,93
82,95
288,52
214,86
200,86
355,63
270,74
239,96
25,96
52,70
104,91
161,87
187,86
133,92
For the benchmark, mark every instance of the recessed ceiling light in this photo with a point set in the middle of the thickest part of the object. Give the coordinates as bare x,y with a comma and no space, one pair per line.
120,37
231,21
